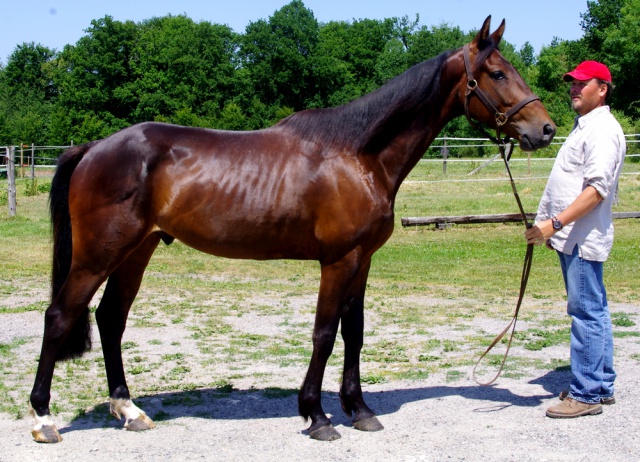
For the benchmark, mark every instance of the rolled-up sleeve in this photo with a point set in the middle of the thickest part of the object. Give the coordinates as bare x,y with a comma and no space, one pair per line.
601,161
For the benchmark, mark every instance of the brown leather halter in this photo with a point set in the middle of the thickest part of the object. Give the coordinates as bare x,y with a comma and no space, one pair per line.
474,89
501,119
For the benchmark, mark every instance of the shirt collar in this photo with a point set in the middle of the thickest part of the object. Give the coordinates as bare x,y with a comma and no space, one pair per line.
581,121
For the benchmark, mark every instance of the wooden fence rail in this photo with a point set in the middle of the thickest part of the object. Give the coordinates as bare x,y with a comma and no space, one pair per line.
442,221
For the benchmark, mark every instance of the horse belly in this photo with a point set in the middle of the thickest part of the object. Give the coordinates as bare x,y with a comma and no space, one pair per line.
237,235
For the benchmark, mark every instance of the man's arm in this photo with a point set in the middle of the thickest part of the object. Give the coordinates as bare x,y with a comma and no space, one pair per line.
584,203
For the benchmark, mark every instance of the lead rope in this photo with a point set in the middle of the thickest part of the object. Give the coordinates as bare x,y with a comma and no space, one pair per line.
500,119
502,144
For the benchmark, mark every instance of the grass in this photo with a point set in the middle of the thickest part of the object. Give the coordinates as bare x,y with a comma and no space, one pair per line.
435,300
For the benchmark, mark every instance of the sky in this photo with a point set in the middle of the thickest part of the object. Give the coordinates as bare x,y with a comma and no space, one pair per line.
56,23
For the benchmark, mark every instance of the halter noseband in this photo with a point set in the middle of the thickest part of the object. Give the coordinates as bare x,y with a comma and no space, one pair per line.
501,117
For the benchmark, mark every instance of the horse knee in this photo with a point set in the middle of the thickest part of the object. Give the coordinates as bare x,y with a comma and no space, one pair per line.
323,342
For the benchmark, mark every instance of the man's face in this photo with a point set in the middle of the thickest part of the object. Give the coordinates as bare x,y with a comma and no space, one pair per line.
586,95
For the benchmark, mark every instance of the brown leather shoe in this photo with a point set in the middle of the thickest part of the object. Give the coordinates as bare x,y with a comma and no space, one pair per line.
569,408
606,401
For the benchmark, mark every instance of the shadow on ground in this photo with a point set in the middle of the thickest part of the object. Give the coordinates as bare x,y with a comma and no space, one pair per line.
270,403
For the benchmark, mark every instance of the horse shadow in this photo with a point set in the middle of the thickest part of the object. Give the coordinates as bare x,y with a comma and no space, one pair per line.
270,403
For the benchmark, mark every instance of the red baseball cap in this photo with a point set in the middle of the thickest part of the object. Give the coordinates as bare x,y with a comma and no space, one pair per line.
588,70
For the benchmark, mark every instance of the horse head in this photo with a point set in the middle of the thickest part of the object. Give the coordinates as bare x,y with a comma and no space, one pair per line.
493,93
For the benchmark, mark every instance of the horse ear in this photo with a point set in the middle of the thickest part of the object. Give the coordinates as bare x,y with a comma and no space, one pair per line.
483,34
497,34
483,39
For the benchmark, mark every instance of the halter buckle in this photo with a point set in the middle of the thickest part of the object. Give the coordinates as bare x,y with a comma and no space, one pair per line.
471,86
501,118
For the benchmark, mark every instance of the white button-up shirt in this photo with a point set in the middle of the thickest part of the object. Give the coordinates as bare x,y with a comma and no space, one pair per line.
592,155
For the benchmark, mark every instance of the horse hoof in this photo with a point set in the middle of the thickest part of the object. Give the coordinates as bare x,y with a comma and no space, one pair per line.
140,424
47,434
326,433
371,424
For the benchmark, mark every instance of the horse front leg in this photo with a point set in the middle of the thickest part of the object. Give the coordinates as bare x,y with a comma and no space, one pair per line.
352,329
334,285
111,317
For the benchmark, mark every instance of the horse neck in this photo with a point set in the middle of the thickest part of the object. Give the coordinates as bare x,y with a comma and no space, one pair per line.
405,149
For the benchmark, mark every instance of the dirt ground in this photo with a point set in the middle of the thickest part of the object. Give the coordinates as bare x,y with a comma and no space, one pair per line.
425,420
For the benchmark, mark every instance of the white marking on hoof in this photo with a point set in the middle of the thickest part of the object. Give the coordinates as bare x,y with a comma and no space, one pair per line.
44,430
134,418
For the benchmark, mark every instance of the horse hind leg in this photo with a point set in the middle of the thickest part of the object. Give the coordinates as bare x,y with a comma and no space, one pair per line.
111,317
67,311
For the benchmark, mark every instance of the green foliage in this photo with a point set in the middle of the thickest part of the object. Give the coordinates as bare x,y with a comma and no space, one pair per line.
621,48
278,53
176,70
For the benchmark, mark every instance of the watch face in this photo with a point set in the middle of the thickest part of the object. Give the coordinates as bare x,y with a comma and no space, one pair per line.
557,224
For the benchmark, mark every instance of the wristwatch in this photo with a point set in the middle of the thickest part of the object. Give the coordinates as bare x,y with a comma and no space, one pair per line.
557,224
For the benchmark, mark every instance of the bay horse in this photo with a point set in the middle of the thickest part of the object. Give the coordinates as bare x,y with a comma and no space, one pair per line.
319,185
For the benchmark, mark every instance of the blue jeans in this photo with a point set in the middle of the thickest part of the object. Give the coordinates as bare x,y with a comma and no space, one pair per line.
591,334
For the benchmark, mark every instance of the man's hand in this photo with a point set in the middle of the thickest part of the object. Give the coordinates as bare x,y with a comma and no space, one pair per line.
539,233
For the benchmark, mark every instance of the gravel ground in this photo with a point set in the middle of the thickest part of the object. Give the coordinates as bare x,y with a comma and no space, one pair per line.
425,420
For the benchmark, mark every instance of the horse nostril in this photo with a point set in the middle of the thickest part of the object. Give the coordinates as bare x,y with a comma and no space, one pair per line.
549,130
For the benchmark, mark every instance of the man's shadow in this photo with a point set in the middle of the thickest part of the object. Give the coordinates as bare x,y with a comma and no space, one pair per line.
271,403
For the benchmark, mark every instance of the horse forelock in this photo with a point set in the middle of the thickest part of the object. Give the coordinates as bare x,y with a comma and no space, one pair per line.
483,54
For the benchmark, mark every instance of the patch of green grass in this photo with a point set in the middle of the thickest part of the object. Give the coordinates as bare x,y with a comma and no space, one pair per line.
7,348
626,334
38,306
537,339
622,320
454,375
385,351
223,386
372,379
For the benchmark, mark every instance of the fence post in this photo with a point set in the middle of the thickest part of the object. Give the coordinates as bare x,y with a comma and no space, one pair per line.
445,154
33,161
11,176
21,160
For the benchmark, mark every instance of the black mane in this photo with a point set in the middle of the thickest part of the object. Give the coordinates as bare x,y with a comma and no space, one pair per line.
375,118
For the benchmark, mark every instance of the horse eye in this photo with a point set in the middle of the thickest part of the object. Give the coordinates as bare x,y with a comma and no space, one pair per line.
497,75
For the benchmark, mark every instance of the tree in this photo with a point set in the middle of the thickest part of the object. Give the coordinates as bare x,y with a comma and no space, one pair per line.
27,93
278,54
553,62
527,54
621,46
92,74
600,16
430,42
179,65
352,59
26,70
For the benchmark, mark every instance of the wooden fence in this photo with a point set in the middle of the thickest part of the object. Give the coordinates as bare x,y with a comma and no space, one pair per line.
26,160
442,222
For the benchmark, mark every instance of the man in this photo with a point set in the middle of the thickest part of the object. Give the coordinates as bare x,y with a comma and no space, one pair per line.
575,218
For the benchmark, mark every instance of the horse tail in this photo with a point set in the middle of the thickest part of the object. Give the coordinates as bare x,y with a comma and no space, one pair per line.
79,339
